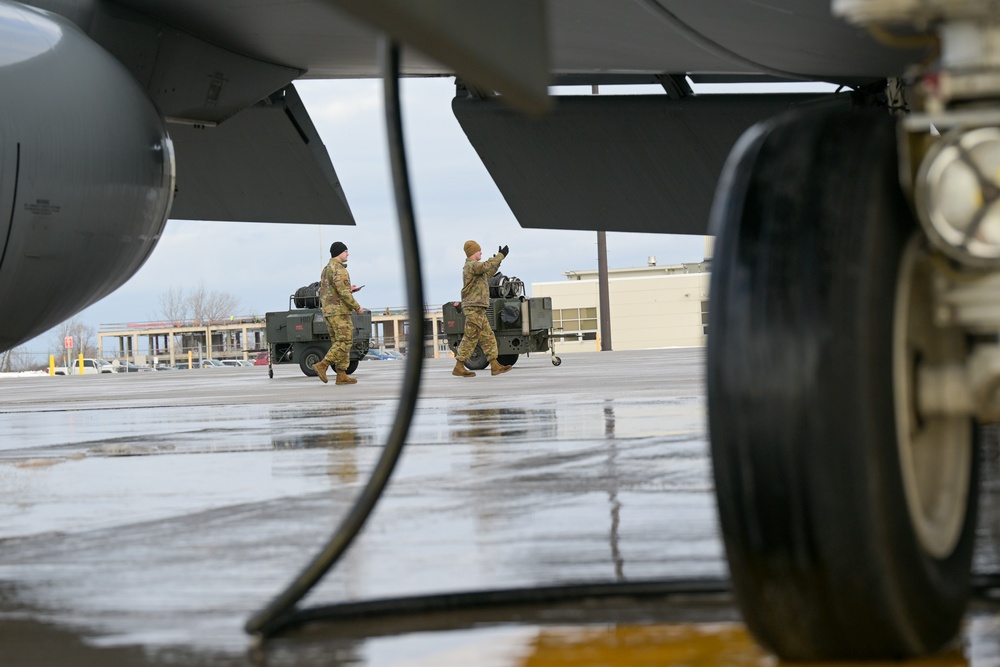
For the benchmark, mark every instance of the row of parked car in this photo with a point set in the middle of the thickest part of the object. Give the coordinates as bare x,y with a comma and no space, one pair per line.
203,363
124,366
95,366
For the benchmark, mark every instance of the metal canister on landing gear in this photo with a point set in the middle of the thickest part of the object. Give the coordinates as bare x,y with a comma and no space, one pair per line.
300,335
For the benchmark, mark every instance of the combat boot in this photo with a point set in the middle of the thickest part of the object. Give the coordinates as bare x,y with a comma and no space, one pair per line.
461,371
344,378
496,368
320,368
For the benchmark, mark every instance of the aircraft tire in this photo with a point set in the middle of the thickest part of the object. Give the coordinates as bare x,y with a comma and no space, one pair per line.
810,386
477,361
310,356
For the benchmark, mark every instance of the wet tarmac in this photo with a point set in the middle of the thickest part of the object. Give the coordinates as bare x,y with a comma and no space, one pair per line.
145,517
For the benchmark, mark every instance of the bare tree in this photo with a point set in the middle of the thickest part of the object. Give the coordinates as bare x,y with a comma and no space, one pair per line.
211,306
173,305
84,340
199,304
15,360
196,302
221,305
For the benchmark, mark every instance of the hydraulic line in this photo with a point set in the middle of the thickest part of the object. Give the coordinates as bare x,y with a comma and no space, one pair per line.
282,609
493,599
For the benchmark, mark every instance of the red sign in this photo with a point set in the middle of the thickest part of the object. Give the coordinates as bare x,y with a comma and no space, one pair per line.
68,342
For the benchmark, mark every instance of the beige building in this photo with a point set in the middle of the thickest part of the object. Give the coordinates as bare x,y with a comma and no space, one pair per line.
651,307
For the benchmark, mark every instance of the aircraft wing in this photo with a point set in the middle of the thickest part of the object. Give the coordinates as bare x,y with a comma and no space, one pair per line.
266,164
213,67
621,163
119,114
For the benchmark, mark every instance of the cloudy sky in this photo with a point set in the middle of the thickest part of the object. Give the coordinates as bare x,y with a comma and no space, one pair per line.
455,199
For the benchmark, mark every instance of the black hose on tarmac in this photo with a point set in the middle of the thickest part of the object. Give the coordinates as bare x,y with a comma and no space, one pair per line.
281,611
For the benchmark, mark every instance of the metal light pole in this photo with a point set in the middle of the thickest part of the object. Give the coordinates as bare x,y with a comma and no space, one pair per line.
602,282
602,286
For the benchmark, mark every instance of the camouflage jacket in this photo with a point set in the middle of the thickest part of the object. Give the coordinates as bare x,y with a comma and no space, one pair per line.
476,281
335,289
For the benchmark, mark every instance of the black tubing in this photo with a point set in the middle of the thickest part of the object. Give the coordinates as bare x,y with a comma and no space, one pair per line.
281,610
494,598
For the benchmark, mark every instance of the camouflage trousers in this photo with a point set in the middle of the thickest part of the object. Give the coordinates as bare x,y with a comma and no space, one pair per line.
342,338
477,330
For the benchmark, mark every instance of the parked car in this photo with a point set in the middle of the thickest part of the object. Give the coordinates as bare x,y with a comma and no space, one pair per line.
391,354
125,366
372,355
233,363
200,363
261,359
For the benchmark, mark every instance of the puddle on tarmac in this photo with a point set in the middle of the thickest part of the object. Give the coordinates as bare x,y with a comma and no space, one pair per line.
167,526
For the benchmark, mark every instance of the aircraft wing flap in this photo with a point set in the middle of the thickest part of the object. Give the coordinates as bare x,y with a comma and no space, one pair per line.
266,164
636,163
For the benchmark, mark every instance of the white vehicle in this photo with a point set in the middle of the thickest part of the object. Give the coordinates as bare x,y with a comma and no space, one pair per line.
90,367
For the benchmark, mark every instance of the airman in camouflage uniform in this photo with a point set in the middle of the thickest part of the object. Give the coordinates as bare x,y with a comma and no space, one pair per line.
336,297
475,300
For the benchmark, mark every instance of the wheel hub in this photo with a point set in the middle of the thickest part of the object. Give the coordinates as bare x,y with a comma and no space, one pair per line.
935,450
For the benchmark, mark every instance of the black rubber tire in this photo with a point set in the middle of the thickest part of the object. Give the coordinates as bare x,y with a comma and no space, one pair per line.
556,361
353,366
508,359
477,361
311,355
811,225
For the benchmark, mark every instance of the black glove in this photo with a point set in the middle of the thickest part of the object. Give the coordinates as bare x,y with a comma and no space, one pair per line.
504,250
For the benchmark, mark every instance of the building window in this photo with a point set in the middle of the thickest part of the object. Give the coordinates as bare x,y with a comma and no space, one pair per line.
579,320
704,317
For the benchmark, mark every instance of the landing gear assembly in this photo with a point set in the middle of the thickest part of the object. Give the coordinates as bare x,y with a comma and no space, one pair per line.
854,351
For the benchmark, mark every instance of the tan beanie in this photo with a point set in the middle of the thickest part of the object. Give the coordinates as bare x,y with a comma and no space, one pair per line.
471,248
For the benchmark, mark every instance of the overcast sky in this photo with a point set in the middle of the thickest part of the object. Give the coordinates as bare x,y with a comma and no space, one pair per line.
455,199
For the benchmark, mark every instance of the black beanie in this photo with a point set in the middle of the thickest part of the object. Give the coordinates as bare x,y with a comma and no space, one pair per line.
337,248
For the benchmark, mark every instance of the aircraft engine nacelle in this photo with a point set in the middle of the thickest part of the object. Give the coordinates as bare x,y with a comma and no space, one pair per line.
86,173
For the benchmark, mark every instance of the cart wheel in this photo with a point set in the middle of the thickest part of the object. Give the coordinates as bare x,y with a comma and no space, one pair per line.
270,372
311,356
477,361
556,361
